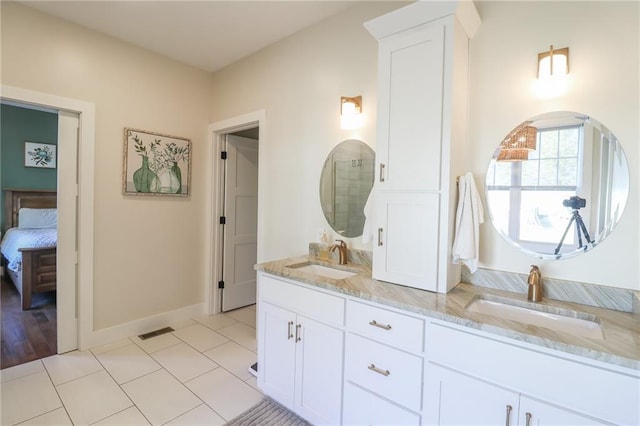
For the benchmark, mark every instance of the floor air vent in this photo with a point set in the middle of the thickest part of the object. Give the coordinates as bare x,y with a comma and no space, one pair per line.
155,333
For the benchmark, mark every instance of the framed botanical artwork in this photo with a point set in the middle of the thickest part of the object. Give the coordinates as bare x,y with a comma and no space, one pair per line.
40,155
156,164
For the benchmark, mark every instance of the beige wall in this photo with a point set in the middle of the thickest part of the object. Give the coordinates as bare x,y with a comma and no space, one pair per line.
299,82
147,250
604,44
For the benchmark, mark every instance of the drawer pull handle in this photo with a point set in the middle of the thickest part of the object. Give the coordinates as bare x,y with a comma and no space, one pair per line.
298,334
381,172
385,373
528,419
289,332
382,326
379,237
509,408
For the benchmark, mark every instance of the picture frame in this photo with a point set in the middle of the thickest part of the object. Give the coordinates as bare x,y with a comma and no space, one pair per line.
156,164
40,155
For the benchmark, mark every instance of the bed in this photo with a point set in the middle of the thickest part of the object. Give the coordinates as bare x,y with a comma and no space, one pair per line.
33,268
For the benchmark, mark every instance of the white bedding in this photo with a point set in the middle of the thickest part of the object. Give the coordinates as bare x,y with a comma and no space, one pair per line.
17,238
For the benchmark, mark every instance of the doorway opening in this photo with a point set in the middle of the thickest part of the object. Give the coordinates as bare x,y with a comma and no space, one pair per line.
74,256
39,290
238,147
239,219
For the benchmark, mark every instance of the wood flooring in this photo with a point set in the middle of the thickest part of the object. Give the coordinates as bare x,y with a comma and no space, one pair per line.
26,335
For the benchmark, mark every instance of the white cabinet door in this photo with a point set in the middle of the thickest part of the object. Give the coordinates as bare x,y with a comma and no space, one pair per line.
410,67
362,407
406,251
319,354
454,399
536,413
277,353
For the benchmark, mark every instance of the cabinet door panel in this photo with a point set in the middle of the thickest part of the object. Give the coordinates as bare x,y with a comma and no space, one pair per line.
411,73
365,408
319,355
542,414
407,250
277,357
455,399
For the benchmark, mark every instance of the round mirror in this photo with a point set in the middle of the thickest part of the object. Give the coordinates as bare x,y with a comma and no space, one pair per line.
345,184
557,185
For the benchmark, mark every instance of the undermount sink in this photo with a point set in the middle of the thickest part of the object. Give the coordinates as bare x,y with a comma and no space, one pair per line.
322,270
563,320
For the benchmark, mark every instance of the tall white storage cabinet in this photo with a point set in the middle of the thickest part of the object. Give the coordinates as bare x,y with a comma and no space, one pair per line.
422,111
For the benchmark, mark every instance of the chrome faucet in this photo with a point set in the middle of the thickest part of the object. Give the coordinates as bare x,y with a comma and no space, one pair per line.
342,250
535,284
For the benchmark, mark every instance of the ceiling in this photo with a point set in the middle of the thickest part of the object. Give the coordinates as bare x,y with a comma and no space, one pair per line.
207,34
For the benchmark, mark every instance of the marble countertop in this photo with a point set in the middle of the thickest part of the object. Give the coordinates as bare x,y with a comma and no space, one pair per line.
621,330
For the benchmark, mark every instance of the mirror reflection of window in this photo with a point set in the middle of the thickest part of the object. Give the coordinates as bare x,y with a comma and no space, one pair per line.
529,194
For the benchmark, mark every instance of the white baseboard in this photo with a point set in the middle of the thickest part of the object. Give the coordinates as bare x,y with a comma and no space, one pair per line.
144,325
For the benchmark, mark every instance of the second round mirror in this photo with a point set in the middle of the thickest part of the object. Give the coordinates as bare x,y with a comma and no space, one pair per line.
557,185
345,184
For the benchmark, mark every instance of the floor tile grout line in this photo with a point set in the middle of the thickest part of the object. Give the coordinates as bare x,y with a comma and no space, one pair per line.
26,375
55,388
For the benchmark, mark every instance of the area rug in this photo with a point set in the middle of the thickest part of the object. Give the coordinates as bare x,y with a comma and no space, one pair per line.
268,413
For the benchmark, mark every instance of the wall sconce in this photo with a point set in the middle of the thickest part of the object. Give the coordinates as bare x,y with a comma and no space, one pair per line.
553,63
351,112
553,70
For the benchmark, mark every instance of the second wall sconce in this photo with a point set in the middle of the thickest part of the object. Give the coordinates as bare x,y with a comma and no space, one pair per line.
350,112
553,63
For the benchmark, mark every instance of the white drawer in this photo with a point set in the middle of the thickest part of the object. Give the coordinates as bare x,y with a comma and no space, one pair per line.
364,408
394,329
389,372
315,304
590,389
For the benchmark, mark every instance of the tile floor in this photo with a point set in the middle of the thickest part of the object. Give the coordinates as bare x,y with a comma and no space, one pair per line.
193,376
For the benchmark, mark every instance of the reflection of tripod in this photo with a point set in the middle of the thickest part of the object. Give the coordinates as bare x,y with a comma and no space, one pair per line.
575,216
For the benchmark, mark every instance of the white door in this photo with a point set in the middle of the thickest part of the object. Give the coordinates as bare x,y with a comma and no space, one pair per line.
67,252
454,399
241,223
276,367
318,388
405,248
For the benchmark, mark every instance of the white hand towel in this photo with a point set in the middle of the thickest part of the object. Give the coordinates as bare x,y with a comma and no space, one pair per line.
469,215
367,232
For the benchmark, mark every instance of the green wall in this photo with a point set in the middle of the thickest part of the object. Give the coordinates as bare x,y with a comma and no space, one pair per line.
17,126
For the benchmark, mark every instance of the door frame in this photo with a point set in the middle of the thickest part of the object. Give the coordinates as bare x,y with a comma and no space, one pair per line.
215,193
84,225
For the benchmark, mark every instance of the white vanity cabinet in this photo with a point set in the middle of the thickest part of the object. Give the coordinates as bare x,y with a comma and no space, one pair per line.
422,102
301,347
472,378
